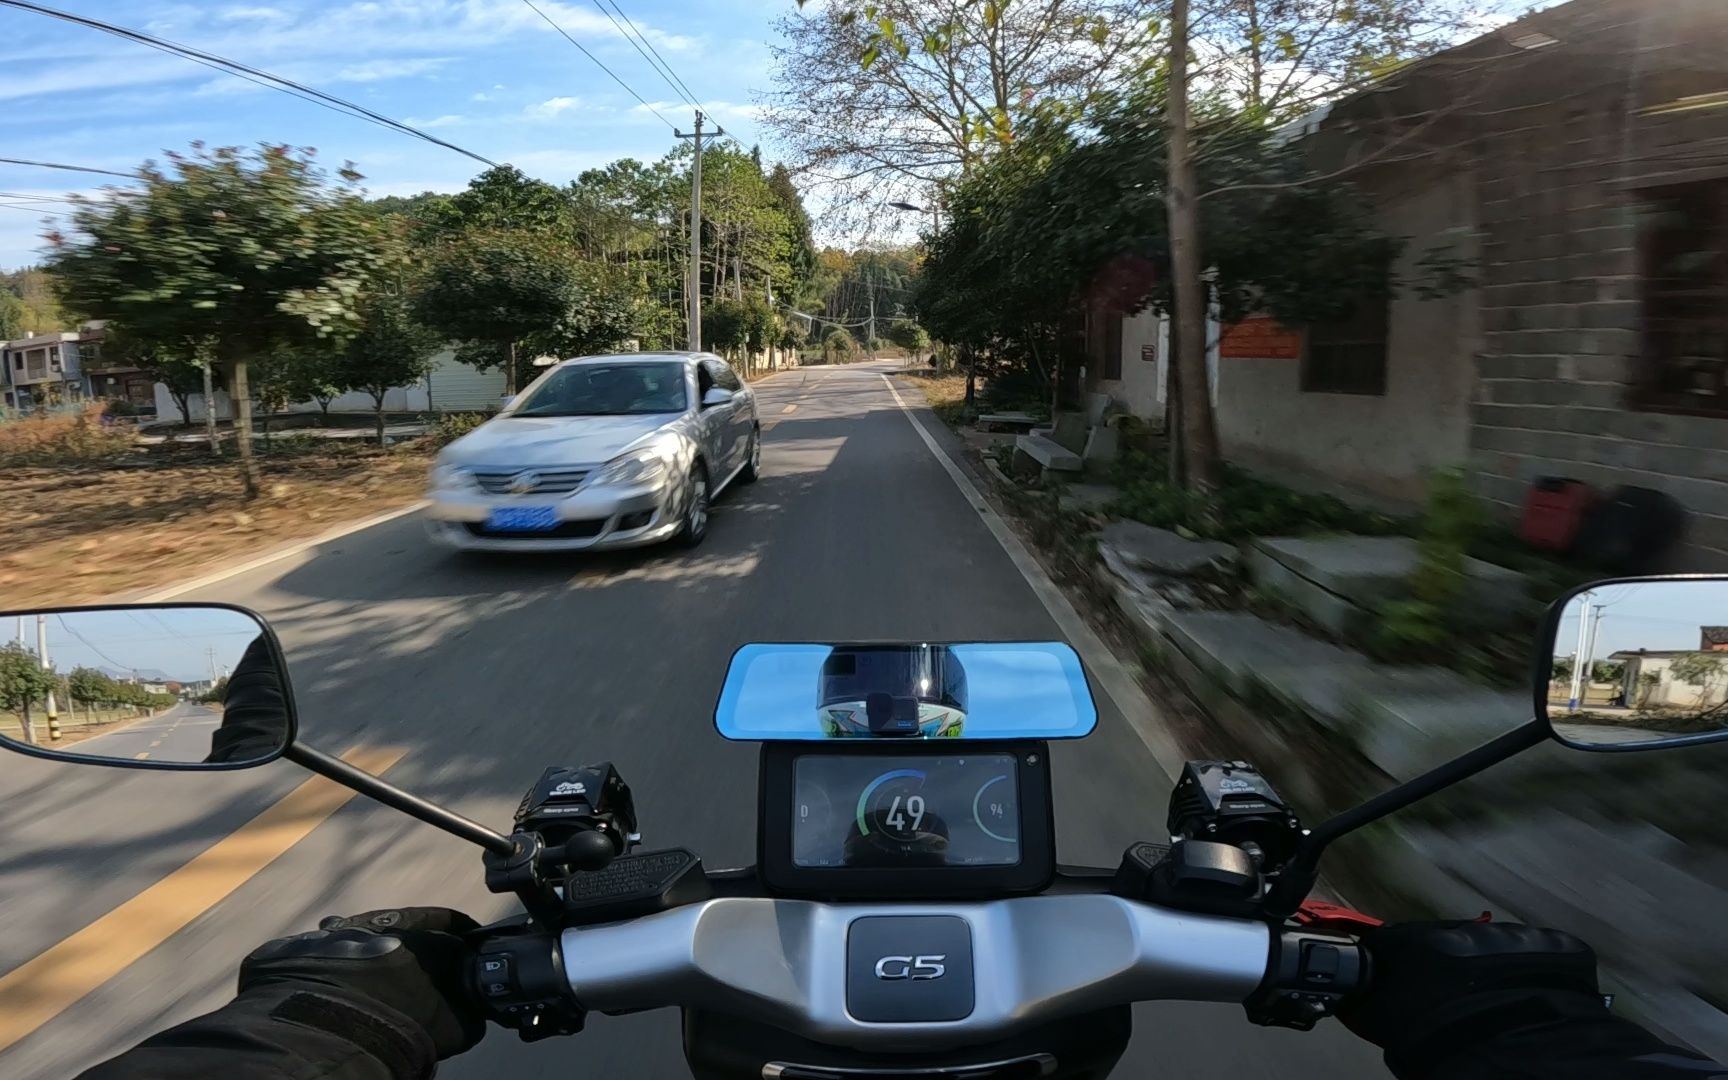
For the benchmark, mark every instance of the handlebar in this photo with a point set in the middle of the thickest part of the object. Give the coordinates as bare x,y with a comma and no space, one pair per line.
922,975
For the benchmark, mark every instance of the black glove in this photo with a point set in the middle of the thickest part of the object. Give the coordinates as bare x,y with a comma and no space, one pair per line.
1438,986
395,982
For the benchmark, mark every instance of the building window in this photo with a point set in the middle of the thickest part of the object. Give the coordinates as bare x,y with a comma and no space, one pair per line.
1347,356
1683,255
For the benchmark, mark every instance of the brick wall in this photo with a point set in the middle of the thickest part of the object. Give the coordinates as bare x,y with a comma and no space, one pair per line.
1561,184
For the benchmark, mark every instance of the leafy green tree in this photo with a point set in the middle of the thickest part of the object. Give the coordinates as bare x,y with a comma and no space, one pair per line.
838,346
1703,670
217,693
89,687
12,315
393,348
493,292
909,335
252,252
23,682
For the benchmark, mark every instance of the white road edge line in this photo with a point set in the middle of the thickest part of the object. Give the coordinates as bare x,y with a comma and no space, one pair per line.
1118,683
273,555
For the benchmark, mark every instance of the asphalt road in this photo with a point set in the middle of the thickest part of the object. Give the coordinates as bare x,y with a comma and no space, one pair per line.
180,734
486,671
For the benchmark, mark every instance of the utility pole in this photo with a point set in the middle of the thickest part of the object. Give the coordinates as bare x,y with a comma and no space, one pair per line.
1579,658
694,277
42,655
211,653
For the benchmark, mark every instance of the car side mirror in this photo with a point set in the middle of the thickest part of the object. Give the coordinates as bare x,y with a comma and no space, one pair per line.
715,395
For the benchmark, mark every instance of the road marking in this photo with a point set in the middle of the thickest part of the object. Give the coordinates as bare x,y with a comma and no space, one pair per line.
1119,685
792,408
274,555
141,757
46,985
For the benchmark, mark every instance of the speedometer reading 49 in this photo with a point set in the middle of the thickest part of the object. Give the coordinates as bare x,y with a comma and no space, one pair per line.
934,811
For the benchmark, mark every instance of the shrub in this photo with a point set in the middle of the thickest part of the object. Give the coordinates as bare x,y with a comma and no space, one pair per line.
59,438
1245,505
452,426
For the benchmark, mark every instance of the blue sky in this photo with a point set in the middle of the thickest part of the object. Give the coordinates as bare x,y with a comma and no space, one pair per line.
1649,615
176,642
488,75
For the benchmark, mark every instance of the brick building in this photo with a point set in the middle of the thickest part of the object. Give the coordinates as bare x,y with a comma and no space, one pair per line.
1575,165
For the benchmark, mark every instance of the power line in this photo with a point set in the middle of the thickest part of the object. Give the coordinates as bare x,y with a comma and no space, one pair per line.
250,74
663,67
68,168
597,63
117,664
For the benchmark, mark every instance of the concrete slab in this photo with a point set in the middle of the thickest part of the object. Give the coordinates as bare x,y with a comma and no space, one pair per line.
1102,446
1069,431
1050,455
1163,551
1340,581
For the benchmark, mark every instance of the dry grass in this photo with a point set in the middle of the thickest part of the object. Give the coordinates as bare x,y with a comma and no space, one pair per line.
945,393
62,437
79,532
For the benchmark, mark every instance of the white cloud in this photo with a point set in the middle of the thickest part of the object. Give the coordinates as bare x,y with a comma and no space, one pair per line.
481,96
447,120
252,14
377,70
553,107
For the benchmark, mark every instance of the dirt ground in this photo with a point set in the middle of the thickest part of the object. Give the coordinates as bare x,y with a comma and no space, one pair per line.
79,533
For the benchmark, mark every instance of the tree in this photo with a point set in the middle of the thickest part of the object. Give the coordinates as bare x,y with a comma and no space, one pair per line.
252,252
909,335
393,348
908,93
1703,670
838,346
13,314
495,290
23,682
1561,669
316,374
217,693
89,687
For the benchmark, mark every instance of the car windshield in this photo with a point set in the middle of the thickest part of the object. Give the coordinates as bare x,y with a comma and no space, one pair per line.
608,390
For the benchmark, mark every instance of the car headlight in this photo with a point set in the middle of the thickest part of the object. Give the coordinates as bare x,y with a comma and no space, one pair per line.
452,478
637,467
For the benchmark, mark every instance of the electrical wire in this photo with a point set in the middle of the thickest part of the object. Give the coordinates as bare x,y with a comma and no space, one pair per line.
594,58
61,619
250,74
68,168
673,77
625,34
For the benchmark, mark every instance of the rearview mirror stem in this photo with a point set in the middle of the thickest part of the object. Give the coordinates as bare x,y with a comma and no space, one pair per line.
1298,876
394,797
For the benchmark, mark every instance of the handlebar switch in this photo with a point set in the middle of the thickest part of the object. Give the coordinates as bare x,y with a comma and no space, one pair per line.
519,982
1307,977
1191,875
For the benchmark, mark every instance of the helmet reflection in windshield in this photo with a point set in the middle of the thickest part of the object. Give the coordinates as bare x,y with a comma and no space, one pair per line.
909,691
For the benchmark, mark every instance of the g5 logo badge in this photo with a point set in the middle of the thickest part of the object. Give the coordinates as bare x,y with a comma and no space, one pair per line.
893,968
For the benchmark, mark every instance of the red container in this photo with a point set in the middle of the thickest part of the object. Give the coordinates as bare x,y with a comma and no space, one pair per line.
1553,511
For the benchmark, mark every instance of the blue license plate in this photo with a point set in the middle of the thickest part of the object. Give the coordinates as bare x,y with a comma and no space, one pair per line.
522,519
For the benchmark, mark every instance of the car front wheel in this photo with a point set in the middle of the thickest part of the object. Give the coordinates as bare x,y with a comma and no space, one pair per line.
695,508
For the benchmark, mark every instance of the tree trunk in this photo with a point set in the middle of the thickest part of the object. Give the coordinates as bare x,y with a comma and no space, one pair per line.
27,724
1199,438
1256,58
510,372
183,402
1173,408
241,394
210,412
378,412
324,411
972,380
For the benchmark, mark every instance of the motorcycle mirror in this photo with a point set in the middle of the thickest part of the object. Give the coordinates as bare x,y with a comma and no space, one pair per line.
145,686
1650,617
1636,664
171,686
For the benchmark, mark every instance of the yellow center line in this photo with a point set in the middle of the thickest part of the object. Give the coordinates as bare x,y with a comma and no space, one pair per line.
792,408
141,757
44,986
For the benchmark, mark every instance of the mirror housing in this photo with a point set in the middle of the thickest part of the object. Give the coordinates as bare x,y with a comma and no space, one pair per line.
1636,664
146,686
716,395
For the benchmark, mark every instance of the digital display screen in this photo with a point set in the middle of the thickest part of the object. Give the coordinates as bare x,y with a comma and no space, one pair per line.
879,811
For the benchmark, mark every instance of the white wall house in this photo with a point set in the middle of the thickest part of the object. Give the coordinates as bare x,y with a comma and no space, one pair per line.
449,387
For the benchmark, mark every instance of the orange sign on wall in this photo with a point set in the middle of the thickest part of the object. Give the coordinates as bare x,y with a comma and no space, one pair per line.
1259,337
